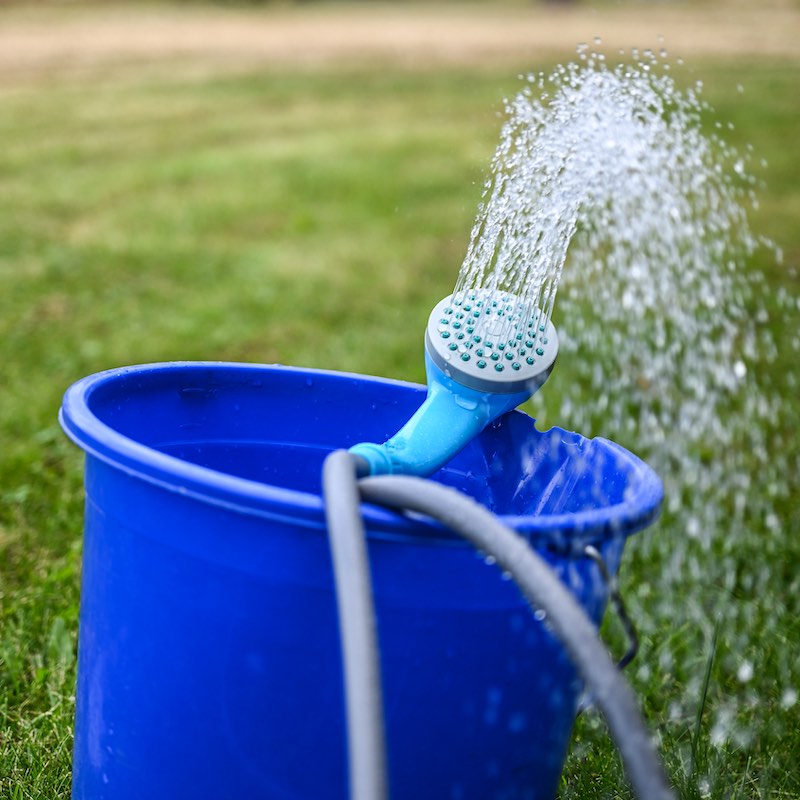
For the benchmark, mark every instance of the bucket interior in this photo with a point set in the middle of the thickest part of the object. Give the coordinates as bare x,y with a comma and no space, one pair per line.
273,427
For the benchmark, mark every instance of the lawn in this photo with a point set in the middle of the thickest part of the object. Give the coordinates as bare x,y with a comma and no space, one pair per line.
313,217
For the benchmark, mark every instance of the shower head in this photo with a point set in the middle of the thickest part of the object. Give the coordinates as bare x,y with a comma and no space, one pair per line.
484,355
490,349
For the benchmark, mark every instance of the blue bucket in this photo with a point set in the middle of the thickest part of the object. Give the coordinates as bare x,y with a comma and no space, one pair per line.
209,660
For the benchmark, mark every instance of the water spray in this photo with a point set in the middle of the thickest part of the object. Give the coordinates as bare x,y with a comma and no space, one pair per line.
485,354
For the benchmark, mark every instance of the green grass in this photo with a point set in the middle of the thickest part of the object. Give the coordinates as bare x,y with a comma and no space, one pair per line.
310,218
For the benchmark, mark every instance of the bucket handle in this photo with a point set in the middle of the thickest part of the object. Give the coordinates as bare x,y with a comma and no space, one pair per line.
618,604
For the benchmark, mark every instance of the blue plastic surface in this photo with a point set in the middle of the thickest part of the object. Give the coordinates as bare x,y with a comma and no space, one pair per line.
209,660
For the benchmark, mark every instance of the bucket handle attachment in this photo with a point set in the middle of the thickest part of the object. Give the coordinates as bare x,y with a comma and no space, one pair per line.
618,604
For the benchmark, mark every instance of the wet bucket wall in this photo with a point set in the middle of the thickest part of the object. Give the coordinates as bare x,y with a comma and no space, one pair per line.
209,658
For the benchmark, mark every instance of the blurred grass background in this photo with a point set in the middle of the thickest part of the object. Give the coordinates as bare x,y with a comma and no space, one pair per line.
174,206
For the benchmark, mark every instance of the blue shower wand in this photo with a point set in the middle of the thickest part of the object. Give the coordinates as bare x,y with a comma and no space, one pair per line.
482,358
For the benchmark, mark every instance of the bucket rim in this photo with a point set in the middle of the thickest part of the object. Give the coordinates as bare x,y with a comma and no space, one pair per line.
566,531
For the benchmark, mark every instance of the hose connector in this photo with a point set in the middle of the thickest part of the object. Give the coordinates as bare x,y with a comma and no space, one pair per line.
482,360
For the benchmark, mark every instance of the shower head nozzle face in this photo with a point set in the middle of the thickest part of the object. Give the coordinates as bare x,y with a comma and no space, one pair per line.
485,343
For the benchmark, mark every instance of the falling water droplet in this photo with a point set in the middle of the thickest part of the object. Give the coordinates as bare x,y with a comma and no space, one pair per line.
745,672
